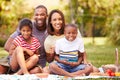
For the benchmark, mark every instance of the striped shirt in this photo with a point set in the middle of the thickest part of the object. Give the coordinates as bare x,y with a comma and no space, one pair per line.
70,56
20,41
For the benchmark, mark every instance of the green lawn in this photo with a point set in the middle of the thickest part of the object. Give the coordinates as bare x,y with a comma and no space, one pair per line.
3,52
99,53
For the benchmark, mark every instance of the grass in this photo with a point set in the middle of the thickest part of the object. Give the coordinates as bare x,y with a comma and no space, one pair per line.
98,53
3,52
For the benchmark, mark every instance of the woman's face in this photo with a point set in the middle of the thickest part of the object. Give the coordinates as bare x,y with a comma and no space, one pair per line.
56,21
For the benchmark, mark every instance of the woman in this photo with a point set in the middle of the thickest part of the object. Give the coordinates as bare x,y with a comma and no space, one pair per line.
55,30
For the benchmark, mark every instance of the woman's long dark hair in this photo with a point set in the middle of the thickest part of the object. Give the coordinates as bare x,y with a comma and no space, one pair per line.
50,27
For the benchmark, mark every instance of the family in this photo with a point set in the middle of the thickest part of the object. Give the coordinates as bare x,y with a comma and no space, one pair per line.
46,39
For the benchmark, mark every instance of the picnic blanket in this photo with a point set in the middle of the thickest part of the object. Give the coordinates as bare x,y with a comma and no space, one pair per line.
53,77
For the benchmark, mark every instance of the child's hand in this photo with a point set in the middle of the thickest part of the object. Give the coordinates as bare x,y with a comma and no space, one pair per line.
29,52
65,62
73,64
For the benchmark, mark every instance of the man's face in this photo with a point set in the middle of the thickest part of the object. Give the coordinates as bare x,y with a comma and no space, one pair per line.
40,16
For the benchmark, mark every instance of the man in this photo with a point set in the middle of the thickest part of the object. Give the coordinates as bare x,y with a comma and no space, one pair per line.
39,31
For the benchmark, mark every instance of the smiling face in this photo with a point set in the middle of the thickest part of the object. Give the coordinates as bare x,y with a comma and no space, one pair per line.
26,32
40,16
70,33
56,21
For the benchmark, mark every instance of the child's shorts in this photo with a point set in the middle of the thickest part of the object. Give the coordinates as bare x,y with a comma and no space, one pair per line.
71,69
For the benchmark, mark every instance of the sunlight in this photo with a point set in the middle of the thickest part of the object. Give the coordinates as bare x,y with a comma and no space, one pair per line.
50,4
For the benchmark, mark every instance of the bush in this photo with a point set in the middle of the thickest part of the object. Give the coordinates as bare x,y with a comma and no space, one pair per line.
115,31
2,42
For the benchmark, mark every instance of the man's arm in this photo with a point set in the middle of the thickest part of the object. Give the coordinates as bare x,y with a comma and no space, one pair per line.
8,44
10,39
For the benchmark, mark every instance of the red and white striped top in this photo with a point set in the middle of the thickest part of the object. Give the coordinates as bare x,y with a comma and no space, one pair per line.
20,41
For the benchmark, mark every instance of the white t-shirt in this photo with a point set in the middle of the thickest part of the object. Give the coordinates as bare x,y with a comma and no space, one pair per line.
69,50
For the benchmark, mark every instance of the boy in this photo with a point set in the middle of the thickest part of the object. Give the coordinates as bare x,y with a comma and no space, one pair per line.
69,54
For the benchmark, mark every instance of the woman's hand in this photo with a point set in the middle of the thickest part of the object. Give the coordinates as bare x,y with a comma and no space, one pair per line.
50,55
52,50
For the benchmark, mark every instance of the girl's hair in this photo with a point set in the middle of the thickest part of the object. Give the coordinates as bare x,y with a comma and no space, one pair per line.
25,22
50,28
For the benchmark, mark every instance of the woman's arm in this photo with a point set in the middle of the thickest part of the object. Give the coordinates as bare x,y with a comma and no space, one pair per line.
49,49
50,54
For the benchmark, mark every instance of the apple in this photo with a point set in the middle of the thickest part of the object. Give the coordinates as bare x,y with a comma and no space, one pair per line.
109,71
112,74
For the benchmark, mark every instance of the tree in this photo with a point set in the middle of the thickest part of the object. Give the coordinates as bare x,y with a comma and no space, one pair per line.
114,35
94,15
11,11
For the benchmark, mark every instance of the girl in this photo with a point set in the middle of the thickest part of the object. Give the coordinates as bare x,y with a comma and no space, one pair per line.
24,49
